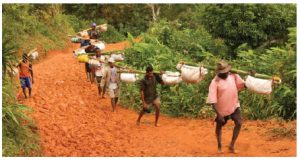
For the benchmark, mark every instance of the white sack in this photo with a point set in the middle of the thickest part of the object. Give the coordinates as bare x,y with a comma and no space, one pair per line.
171,78
257,85
93,62
117,57
78,52
103,27
14,71
191,74
128,77
104,58
34,55
83,33
100,45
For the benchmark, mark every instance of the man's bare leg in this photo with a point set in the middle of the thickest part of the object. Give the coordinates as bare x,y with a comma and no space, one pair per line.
236,131
157,111
219,136
24,92
140,116
113,104
29,92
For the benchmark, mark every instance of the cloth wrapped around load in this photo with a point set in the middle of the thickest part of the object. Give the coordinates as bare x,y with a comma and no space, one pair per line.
191,74
117,56
103,27
94,63
34,55
79,51
257,85
128,77
99,45
14,71
83,33
171,78
75,40
104,58
83,58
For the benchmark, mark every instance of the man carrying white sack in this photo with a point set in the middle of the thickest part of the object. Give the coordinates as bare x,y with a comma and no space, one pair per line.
100,72
113,83
94,33
149,95
223,95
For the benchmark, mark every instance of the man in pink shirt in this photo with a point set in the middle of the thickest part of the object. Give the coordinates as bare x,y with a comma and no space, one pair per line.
223,95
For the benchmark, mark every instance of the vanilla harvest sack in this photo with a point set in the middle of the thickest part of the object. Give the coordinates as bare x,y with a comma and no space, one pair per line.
83,33
94,63
117,57
171,78
257,85
100,45
78,52
191,74
14,71
103,28
34,55
128,77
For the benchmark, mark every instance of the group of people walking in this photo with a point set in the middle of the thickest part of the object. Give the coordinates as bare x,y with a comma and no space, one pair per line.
223,92
223,89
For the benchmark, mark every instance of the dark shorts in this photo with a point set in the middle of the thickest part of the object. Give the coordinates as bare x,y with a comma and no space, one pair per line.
25,82
235,116
98,78
87,68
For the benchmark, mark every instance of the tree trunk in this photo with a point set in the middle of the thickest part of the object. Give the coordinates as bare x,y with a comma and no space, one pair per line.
155,11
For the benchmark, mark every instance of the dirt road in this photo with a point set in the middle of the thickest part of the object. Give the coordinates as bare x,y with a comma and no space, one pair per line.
73,121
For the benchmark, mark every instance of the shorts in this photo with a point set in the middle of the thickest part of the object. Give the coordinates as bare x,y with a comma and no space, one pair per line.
113,93
235,116
25,82
87,68
155,102
98,78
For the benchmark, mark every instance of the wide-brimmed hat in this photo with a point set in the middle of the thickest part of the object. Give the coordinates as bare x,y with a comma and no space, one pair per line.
85,37
223,67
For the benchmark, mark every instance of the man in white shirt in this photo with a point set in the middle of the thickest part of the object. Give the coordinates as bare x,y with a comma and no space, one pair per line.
112,80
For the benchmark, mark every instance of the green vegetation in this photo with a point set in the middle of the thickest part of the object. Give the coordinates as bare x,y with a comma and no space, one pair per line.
256,25
26,26
251,36
166,42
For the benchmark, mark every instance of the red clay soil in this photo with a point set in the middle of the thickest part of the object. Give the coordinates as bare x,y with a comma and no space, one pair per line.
73,121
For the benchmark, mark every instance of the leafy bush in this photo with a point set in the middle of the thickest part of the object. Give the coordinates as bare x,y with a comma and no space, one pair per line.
162,48
186,100
112,35
17,137
280,61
